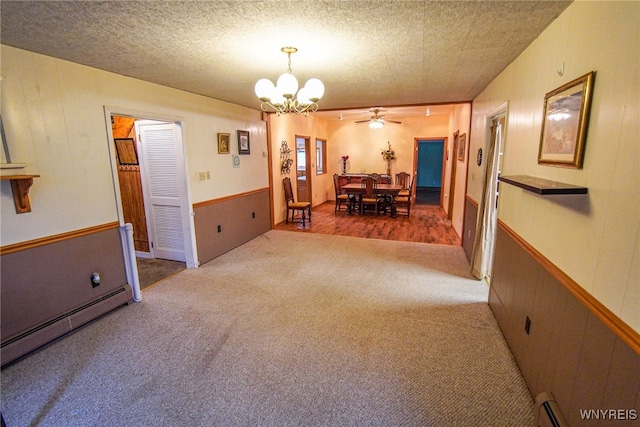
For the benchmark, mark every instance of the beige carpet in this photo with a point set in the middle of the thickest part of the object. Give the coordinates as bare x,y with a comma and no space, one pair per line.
290,329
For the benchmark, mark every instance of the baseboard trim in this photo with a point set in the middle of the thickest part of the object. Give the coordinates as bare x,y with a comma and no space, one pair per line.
30,244
617,325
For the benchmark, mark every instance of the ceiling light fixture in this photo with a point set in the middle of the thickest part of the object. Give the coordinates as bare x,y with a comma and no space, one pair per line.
428,113
282,97
376,123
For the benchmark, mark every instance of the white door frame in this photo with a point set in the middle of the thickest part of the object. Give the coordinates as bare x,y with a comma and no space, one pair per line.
189,237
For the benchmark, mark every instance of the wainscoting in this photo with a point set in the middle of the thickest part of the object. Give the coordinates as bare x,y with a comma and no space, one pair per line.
226,223
575,348
47,289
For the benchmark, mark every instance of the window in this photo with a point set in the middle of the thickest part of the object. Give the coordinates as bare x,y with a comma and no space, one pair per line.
321,154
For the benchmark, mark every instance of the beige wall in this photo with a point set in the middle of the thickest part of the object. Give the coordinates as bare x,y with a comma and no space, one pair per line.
53,113
595,239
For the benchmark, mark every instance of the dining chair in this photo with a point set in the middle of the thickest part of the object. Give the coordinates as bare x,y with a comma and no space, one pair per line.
404,179
293,206
369,196
403,201
341,199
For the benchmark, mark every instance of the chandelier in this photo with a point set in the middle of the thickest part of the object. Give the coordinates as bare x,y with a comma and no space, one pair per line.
282,97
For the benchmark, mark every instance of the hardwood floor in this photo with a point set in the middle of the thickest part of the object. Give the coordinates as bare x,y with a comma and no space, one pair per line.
427,224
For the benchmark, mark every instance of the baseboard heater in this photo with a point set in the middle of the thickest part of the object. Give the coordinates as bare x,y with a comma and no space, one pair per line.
549,414
27,341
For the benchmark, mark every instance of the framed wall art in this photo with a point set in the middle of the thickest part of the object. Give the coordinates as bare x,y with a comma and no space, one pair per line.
223,143
462,146
126,151
244,146
564,123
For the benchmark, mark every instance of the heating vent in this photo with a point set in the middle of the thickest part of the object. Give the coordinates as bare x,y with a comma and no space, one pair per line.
549,414
29,340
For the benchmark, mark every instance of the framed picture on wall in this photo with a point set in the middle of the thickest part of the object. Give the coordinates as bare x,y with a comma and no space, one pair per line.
564,124
243,142
223,143
126,151
462,146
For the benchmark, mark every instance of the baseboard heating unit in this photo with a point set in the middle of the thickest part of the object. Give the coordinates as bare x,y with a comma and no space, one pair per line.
29,340
548,412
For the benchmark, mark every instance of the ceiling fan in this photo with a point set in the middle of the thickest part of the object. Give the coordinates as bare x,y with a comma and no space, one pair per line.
377,120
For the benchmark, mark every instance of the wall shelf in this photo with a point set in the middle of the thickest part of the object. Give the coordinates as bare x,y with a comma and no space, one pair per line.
542,186
20,185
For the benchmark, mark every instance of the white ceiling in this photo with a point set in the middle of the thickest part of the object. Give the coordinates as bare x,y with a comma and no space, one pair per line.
367,53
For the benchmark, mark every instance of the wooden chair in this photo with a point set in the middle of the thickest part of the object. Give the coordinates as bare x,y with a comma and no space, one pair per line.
341,199
403,201
404,179
369,194
293,206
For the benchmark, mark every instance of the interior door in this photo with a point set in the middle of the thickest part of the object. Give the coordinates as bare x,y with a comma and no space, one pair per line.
162,172
303,168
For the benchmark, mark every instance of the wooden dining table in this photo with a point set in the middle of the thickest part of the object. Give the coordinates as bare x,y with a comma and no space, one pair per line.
355,189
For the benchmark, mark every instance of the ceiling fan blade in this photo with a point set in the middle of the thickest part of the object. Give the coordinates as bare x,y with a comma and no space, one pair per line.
392,121
362,121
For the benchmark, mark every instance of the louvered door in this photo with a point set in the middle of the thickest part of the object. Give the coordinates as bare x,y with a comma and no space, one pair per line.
161,149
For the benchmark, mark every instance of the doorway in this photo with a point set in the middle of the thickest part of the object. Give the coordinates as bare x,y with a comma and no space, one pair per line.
429,171
151,191
303,168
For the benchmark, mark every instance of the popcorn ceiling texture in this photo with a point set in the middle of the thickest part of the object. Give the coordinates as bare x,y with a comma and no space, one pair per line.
385,53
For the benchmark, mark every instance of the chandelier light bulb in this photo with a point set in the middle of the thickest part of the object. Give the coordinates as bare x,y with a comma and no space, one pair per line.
264,89
288,85
315,89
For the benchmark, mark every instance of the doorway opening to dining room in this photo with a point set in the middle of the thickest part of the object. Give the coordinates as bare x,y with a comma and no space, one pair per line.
430,163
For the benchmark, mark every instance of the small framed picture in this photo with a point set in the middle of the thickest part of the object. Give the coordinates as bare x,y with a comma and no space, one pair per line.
462,147
565,122
244,146
126,150
223,143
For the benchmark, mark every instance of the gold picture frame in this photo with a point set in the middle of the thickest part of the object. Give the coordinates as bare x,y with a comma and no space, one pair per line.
223,143
564,123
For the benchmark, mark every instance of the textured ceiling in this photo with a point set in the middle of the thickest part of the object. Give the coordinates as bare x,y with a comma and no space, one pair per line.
367,53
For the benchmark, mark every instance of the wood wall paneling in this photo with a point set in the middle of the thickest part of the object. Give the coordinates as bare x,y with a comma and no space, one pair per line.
569,351
240,218
42,281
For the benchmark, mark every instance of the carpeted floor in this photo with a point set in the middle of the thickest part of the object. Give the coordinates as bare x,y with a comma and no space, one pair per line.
152,270
290,329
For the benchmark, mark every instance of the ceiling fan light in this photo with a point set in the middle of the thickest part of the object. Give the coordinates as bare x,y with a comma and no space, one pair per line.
288,85
264,89
375,124
315,89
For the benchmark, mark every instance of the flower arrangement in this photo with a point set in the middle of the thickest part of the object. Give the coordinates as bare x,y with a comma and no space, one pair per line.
388,154
344,163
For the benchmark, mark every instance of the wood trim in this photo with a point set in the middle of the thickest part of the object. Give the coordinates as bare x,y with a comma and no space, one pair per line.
227,198
617,325
471,200
30,244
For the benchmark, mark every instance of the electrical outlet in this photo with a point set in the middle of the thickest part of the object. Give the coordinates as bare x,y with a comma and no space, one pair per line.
527,325
95,280
202,176
253,214
208,174
219,228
